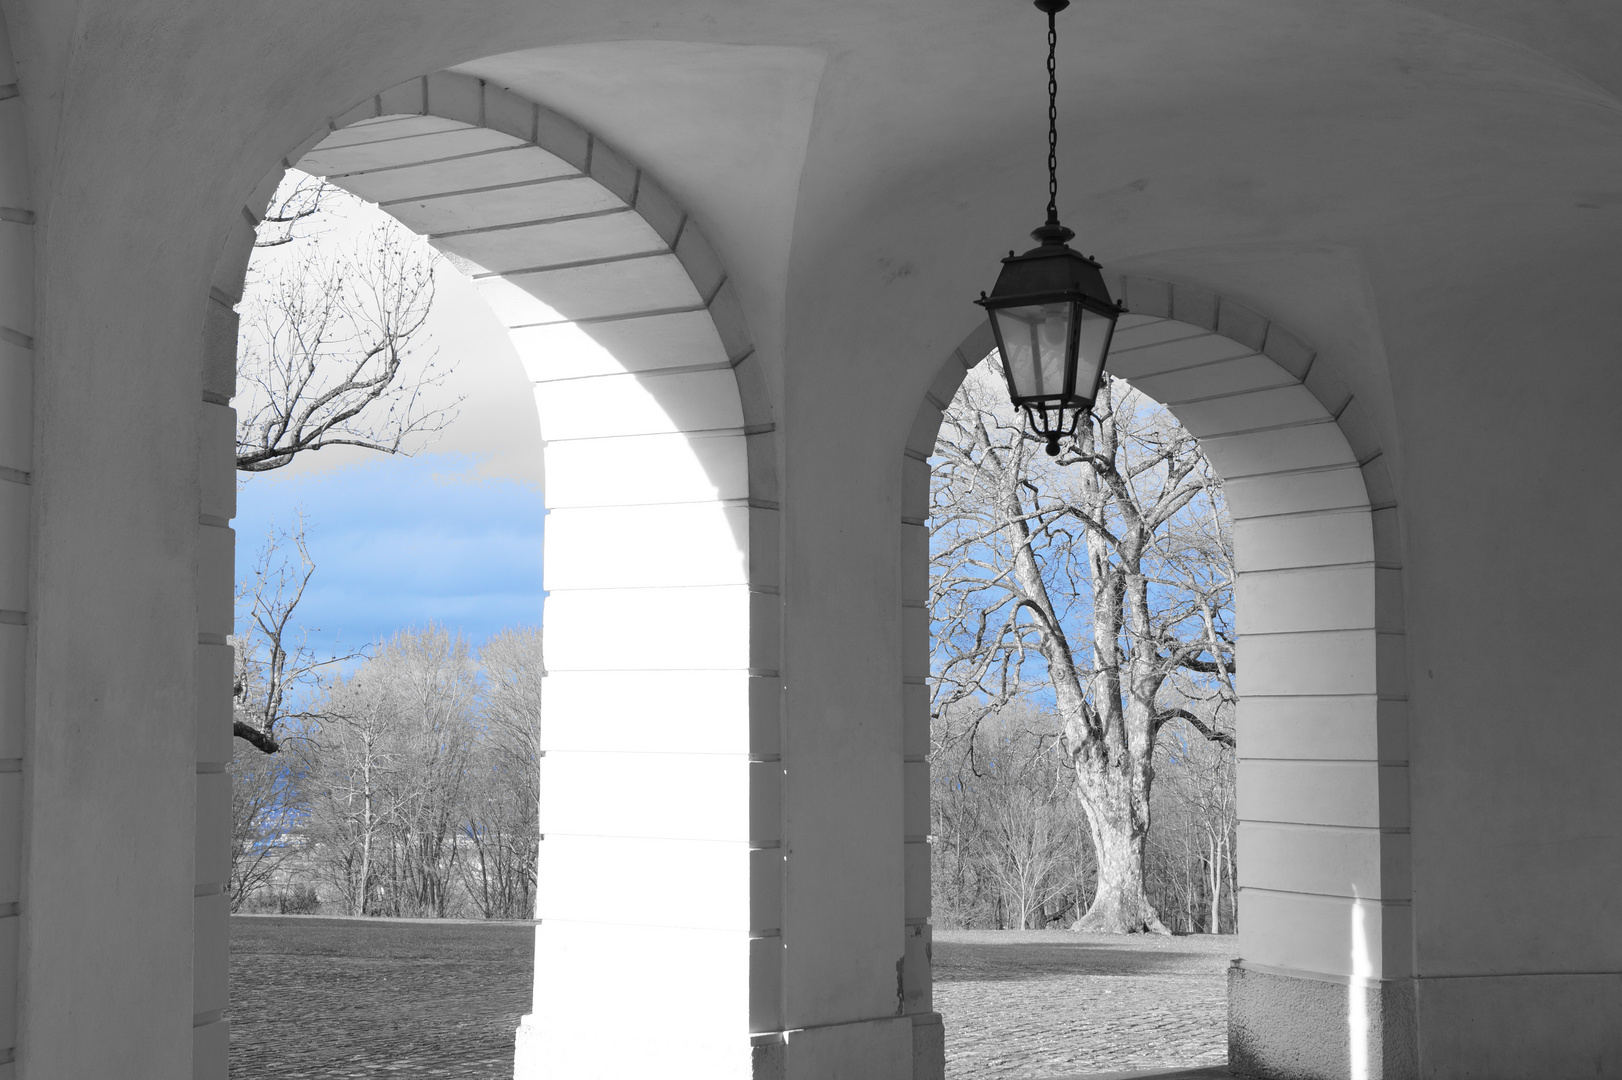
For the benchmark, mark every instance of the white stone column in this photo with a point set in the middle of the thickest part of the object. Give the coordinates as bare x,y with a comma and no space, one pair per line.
661,866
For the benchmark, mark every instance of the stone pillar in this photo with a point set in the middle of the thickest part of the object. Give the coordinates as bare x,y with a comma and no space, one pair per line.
660,863
216,453
216,596
16,464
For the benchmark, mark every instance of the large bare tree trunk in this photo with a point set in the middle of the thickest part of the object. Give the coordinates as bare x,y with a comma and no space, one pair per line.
1118,819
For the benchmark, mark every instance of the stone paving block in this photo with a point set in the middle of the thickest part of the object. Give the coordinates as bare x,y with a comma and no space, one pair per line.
1023,1005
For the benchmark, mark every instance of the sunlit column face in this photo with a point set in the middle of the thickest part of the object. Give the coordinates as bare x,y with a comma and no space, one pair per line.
1033,342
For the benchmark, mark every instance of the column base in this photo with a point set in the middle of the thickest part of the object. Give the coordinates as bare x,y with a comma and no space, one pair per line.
527,1049
928,1047
1300,1027
769,1060
1522,1025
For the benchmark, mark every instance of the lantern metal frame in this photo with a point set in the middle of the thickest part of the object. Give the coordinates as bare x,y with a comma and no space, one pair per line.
1054,273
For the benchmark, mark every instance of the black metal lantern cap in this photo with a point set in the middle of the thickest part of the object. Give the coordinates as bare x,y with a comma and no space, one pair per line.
1053,318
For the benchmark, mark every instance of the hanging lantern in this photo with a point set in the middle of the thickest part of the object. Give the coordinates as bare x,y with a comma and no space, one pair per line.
1051,314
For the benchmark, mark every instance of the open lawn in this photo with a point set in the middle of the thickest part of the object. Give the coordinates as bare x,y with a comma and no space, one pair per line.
331,999
342,998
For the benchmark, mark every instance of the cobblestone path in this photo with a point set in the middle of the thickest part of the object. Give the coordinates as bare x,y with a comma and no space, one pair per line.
1047,1003
337,999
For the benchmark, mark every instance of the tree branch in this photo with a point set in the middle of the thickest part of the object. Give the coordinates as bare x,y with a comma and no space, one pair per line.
1212,734
262,741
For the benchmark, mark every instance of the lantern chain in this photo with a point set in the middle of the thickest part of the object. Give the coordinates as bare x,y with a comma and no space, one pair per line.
1053,118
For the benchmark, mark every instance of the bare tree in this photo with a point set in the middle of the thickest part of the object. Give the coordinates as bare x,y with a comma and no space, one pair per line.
1010,849
406,787
277,673
389,761
297,205
353,801
1084,577
1191,846
327,356
266,814
501,819
328,352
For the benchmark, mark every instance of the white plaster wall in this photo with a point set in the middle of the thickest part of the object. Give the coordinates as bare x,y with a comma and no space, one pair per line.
1342,167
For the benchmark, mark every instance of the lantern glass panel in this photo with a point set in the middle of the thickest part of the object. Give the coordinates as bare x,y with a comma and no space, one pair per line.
1093,337
1034,340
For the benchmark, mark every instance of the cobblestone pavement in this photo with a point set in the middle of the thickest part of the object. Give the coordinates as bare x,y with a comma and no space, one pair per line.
337,999
332,999
1048,1003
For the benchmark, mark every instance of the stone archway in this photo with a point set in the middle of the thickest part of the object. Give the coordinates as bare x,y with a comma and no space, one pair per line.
661,569
1325,890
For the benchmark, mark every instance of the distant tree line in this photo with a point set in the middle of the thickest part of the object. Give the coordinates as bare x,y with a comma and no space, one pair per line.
407,787
1012,852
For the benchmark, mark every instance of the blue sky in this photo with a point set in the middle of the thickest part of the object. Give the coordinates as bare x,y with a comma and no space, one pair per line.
402,542
451,534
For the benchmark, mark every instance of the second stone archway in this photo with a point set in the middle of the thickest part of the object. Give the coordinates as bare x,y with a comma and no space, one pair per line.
1325,977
